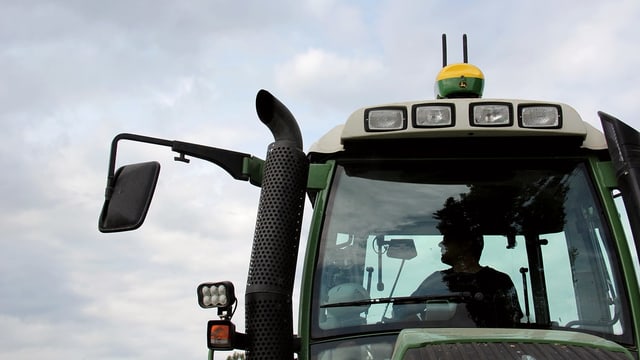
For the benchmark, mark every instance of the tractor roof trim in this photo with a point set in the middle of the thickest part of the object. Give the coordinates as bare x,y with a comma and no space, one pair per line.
461,118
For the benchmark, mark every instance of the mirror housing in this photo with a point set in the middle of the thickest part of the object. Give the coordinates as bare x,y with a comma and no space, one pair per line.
128,197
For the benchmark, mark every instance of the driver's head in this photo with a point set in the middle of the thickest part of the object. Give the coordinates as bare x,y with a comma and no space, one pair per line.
462,235
460,244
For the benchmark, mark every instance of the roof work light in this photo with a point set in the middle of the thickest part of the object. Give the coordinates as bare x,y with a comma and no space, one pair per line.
385,118
433,115
491,114
540,116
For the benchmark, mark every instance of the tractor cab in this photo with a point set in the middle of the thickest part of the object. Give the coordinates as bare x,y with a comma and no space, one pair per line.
457,227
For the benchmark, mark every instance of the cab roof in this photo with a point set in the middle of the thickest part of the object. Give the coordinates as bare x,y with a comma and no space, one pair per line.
468,118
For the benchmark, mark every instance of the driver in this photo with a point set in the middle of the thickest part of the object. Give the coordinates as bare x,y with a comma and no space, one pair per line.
490,297
494,301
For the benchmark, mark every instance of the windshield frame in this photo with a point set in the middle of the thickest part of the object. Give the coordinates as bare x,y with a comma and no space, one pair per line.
442,165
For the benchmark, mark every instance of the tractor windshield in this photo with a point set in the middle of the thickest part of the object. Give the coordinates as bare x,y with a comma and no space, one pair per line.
482,243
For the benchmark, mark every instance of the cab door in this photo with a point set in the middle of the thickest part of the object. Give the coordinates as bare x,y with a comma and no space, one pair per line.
624,148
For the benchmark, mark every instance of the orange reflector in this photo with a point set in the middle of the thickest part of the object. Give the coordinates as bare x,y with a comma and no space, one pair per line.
220,334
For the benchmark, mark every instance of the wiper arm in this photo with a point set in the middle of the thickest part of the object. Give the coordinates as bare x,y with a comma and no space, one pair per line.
404,300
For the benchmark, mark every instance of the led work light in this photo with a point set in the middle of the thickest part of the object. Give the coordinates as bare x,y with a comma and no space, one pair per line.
221,334
216,295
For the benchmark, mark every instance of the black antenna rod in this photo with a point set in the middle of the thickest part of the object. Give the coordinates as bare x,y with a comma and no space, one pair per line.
444,50
465,58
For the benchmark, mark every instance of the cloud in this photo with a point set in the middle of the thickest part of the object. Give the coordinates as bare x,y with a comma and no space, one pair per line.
75,74
323,77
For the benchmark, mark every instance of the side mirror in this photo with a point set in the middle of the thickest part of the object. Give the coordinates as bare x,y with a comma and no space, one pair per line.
128,197
404,249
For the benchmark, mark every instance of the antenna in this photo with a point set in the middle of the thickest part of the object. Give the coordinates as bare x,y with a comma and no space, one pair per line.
465,55
465,58
444,50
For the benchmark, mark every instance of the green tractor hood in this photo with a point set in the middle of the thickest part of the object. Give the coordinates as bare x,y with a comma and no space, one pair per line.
518,344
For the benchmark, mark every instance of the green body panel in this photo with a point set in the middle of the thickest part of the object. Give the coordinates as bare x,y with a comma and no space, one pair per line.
319,176
322,172
414,338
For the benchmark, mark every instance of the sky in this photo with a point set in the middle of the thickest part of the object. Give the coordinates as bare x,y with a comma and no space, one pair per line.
75,73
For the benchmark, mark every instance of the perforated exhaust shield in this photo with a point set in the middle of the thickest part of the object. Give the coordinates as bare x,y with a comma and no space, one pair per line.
273,258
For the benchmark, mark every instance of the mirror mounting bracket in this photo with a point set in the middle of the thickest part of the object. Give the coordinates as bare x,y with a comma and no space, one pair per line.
231,161
182,158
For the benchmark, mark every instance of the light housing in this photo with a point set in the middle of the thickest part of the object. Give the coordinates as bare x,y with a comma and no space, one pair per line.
433,115
540,116
216,295
221,335
385,118
491,114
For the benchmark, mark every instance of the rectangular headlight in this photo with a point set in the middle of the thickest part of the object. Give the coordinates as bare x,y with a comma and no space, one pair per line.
433,115
491,114
385,119
540,116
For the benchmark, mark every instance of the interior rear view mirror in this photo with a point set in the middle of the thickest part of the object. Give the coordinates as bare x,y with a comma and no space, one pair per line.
404,249
128,197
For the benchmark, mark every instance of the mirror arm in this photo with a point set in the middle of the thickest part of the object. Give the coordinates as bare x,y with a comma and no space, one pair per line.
231,161
132,137
114,150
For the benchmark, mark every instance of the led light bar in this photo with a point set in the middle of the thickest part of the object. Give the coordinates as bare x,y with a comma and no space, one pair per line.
433,115
385,119
216,295
544,116
491,114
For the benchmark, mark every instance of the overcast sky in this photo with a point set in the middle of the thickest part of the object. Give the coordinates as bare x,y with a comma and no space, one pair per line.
75,73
